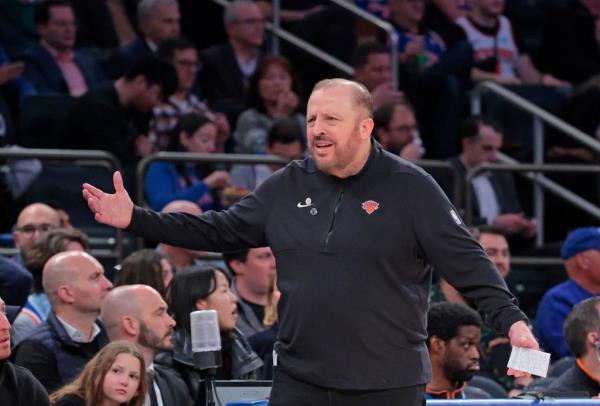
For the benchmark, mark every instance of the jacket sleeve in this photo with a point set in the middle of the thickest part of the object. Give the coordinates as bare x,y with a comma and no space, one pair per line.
38,359
447,245
241,226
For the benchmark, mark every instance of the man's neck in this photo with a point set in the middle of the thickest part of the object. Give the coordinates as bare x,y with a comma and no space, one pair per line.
408,25
83,322
585,282
148,353
363,153
484,19
54,49
243,52
248,295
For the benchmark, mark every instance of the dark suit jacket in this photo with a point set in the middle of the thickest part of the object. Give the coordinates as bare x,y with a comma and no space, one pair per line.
502,182
45,75
122,59
221,77
173,390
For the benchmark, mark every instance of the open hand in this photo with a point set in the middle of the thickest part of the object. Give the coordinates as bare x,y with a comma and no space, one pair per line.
112,209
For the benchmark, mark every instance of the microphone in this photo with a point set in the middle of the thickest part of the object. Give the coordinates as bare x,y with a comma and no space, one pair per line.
206,339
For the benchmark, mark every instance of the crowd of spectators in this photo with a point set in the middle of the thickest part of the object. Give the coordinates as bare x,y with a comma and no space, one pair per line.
137,77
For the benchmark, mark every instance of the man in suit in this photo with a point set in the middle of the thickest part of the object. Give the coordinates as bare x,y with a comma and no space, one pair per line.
159,21
228,67
494,194
53,65
137,313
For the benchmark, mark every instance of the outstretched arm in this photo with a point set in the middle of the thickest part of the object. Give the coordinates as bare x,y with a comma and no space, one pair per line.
112,209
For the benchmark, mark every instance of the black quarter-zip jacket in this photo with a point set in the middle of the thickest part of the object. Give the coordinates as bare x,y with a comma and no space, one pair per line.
353,260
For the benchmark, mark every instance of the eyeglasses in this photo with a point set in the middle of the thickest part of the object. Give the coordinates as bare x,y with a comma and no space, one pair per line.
32,228
251,21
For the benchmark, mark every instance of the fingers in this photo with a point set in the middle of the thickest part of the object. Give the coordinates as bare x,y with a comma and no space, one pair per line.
91,191
118,182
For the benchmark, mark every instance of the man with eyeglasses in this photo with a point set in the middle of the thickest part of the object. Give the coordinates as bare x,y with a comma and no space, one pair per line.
495,198
33,221
227,68
396,129
15,281
53,65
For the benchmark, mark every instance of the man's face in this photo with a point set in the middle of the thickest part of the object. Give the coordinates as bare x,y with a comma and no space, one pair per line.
403,10
402,128
4,332
186,66
163,25
257,270
489,8
89,286
60,30
496,247
249,26
34,221
484,147
335,129
461,358
376,71
156,326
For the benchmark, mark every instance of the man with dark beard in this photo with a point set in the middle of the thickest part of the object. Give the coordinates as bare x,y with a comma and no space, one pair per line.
137,313
454,332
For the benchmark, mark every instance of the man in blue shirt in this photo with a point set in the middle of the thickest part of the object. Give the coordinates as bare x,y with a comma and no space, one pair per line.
581,253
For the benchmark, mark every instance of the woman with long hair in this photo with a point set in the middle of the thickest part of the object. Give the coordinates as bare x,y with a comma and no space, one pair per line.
115,376
273,95
146,267
208,288
166,181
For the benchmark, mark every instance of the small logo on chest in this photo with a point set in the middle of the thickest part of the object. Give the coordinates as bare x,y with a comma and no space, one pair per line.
370,206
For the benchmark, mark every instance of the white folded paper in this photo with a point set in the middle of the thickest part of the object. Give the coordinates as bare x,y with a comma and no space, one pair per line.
531,361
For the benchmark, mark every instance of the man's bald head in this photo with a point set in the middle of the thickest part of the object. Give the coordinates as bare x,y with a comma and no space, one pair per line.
361,95
33,220
82,276
125,301
182,206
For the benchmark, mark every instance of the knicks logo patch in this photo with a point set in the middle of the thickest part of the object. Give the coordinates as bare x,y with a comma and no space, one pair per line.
370,206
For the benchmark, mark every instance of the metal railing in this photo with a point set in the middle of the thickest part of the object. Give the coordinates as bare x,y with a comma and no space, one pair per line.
275,28
540,117
81,157
529,169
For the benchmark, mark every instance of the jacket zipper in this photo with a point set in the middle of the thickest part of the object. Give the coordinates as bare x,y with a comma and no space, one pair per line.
337,205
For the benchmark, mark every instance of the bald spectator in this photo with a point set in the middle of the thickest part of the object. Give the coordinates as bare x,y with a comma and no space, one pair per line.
44,247
581,254
372,67
397,131
71,335
159,21
33,221
227,68
253,270
17,385
54,65
137,313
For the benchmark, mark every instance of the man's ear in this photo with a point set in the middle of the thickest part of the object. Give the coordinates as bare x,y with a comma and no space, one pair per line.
237,266
366,127
130,325
65,294
437,345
